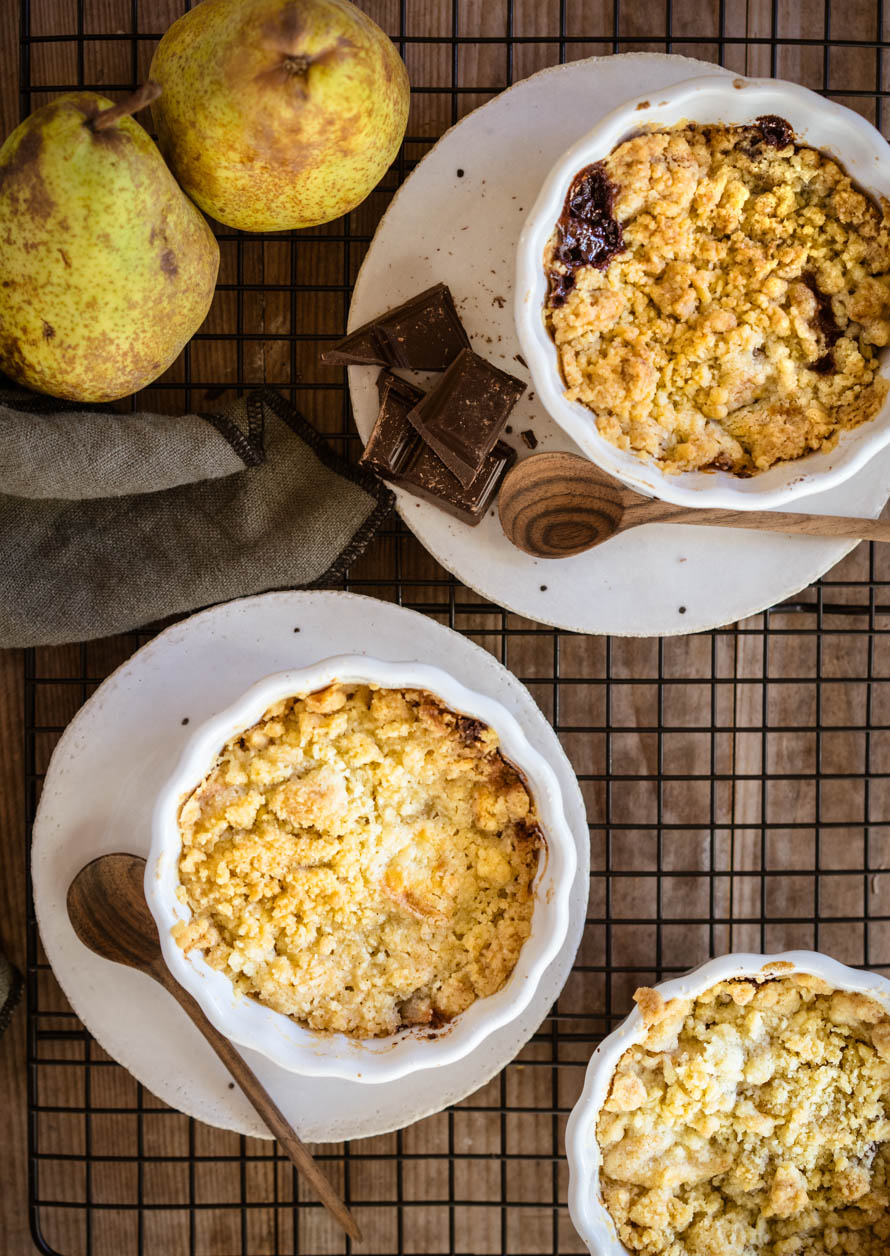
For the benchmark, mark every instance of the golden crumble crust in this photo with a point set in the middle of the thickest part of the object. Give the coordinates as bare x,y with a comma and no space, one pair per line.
361,859
753,1119
739,326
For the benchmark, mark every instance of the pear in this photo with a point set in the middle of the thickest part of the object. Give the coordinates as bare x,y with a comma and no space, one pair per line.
106,268
278,113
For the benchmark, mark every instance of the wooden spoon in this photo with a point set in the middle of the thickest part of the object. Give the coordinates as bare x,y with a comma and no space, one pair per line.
554,505
107,908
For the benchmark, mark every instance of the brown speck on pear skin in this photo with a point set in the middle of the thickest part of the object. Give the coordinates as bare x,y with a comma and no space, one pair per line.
22,181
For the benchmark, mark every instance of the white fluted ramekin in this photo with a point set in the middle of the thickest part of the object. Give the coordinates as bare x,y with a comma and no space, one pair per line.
589,1214
820,123
247,1022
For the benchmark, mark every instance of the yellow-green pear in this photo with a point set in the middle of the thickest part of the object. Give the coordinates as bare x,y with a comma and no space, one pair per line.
278,113
106,267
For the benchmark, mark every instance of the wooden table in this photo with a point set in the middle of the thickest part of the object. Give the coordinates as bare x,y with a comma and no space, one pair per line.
696,728
13,1158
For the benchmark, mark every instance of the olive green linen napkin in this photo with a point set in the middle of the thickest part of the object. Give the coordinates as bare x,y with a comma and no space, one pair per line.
111,521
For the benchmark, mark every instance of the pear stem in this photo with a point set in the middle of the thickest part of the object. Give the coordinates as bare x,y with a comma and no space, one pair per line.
143,96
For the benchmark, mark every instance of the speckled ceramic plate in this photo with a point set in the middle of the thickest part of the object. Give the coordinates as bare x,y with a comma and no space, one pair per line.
98,797
457,219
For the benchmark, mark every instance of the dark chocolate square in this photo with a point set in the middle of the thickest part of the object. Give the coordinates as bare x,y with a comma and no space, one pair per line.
402,388
398,454
426,475
390,443
423,334
359,348
463,416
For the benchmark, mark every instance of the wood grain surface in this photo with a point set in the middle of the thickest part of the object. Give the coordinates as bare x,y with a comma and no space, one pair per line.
750,765
13,1130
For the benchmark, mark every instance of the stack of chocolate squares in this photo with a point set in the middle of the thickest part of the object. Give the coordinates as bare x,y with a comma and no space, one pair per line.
441,445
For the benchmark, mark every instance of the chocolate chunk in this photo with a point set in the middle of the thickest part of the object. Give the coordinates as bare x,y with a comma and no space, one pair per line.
588,234
469,730
528,436
775,130
387,382
423,334
427,476
398,454
359,348
393,440
463,416
825,323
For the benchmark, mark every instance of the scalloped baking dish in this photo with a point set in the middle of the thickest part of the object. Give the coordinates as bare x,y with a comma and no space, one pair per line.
589,1215
837,131
246,1021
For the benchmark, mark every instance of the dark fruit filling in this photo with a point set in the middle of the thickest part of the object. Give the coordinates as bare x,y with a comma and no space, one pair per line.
588,233
825,323
775,131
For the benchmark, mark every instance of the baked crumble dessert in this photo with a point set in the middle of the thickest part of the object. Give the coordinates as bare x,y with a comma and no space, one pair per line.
361,859
752,1119
718,297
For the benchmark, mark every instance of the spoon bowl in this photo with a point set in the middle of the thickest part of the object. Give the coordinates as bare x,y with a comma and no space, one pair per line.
108,912
555,505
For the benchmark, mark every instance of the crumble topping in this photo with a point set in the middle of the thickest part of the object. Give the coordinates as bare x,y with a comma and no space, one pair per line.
754,1119
361,859
729,317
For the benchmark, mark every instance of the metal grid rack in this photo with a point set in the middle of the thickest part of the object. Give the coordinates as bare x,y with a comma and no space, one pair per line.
737,782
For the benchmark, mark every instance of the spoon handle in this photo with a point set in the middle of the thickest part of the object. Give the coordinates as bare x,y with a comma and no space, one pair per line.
295,1148
760,520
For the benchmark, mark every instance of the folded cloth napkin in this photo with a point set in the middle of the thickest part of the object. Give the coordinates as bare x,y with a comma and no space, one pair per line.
110,521
10,990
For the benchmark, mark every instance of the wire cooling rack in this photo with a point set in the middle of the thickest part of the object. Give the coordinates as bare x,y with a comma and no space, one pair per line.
737,782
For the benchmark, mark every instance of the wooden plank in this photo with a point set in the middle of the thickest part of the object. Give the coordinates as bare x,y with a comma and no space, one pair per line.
13,1158
13,1098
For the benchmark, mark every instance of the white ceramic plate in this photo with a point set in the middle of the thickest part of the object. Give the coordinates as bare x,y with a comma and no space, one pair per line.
463,229
98,797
